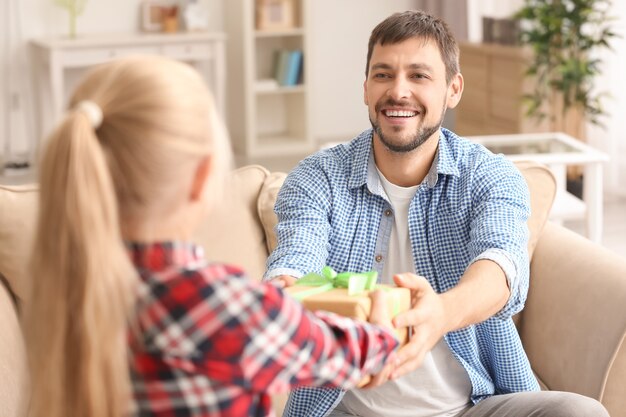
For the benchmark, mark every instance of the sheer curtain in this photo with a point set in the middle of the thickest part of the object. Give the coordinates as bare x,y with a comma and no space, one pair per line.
16,136
612,139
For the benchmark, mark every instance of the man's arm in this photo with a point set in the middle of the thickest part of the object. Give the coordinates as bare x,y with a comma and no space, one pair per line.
498,227
481,293
496,281
302,207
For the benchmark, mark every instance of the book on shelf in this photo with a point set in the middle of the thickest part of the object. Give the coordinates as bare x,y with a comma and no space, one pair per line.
293,67
288,67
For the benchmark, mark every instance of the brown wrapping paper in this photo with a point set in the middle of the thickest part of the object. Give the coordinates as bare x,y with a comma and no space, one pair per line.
356,306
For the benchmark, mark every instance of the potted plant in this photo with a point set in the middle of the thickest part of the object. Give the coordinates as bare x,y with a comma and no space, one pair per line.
565,36
75,8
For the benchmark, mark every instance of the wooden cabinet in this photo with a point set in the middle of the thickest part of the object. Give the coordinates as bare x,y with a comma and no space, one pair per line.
266,118
495,83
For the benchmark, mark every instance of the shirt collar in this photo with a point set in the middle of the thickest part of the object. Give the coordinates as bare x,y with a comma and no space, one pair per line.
364,167
162,255
446,154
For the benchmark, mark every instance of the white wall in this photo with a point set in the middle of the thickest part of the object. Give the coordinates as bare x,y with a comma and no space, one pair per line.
613,139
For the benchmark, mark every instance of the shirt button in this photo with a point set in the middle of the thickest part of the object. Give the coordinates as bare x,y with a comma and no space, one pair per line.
378,258
387,212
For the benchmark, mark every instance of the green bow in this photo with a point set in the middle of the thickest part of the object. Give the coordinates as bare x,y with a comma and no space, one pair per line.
355,282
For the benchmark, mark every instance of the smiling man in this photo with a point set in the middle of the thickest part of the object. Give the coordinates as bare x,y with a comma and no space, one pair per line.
432,212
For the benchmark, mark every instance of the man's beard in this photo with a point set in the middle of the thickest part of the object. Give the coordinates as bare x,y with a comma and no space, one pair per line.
421,135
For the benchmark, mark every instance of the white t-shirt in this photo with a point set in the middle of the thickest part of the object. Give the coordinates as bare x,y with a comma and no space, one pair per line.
441,386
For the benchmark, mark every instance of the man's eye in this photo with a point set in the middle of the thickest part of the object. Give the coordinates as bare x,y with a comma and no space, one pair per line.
419,76
381,75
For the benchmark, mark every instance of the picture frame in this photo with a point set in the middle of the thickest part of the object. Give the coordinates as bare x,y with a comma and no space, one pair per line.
152,15
274,15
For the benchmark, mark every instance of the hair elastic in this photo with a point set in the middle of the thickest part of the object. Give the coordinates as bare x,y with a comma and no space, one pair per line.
93,112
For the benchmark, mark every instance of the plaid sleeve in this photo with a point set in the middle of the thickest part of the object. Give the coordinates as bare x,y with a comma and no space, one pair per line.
303,207
269,343
499,231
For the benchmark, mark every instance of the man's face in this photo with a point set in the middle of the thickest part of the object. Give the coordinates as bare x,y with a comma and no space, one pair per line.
407,94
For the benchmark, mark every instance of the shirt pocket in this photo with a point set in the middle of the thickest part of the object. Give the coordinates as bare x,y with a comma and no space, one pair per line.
450,223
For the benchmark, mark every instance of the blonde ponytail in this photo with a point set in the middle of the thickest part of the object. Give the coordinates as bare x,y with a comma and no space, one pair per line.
83,283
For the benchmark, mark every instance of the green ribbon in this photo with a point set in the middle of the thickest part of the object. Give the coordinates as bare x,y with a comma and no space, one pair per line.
355,282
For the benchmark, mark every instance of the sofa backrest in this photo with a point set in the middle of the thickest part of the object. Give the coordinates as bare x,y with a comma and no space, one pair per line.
18,210
542,186
240,230
14,387
540,180
233,231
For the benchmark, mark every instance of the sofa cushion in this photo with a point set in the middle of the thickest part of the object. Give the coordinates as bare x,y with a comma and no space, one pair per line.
265,206
232,230
18,215
542,186
13,369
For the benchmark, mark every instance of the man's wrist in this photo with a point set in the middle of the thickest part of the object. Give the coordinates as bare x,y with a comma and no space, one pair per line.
277,272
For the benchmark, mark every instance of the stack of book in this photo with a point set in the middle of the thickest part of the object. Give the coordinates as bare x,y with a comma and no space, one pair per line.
288,67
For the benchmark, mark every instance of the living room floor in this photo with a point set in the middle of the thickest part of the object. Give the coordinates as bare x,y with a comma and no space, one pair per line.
614,230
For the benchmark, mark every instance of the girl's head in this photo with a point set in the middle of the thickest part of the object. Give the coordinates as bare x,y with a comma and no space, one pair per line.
158,123
140,143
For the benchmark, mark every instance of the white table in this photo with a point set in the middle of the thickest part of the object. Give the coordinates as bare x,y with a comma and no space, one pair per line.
52,57
557,151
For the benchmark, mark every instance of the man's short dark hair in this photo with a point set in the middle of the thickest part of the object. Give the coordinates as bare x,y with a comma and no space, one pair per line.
417,24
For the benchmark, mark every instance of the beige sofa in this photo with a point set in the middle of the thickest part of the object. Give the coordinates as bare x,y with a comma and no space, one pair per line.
573,326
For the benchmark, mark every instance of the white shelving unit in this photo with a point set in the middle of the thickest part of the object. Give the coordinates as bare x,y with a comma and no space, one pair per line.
52,57
264,118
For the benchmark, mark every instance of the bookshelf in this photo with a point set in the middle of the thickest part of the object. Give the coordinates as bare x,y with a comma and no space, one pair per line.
267,117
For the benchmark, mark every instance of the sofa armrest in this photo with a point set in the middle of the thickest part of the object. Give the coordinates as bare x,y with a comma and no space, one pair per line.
14,385
574,323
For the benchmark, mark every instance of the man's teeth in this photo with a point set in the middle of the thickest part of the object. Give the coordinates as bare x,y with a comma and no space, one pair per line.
400,113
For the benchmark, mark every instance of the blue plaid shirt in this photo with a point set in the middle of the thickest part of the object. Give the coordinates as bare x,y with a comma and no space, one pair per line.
332,210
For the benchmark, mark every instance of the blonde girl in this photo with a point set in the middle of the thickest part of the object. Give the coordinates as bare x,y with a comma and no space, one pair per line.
126,316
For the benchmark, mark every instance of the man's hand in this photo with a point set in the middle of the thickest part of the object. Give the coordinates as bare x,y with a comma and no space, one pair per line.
427,318
379,315
283,281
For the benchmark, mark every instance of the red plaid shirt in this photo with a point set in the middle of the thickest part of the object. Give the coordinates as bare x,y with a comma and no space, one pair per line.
215,343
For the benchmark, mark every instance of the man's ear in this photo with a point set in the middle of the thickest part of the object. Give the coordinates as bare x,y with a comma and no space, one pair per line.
365,100
455,91
200,176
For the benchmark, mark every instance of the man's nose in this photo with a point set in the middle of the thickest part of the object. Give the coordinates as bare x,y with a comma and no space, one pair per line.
399,89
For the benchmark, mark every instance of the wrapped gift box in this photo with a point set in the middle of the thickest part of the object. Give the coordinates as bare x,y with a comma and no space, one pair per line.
355,306
352,303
